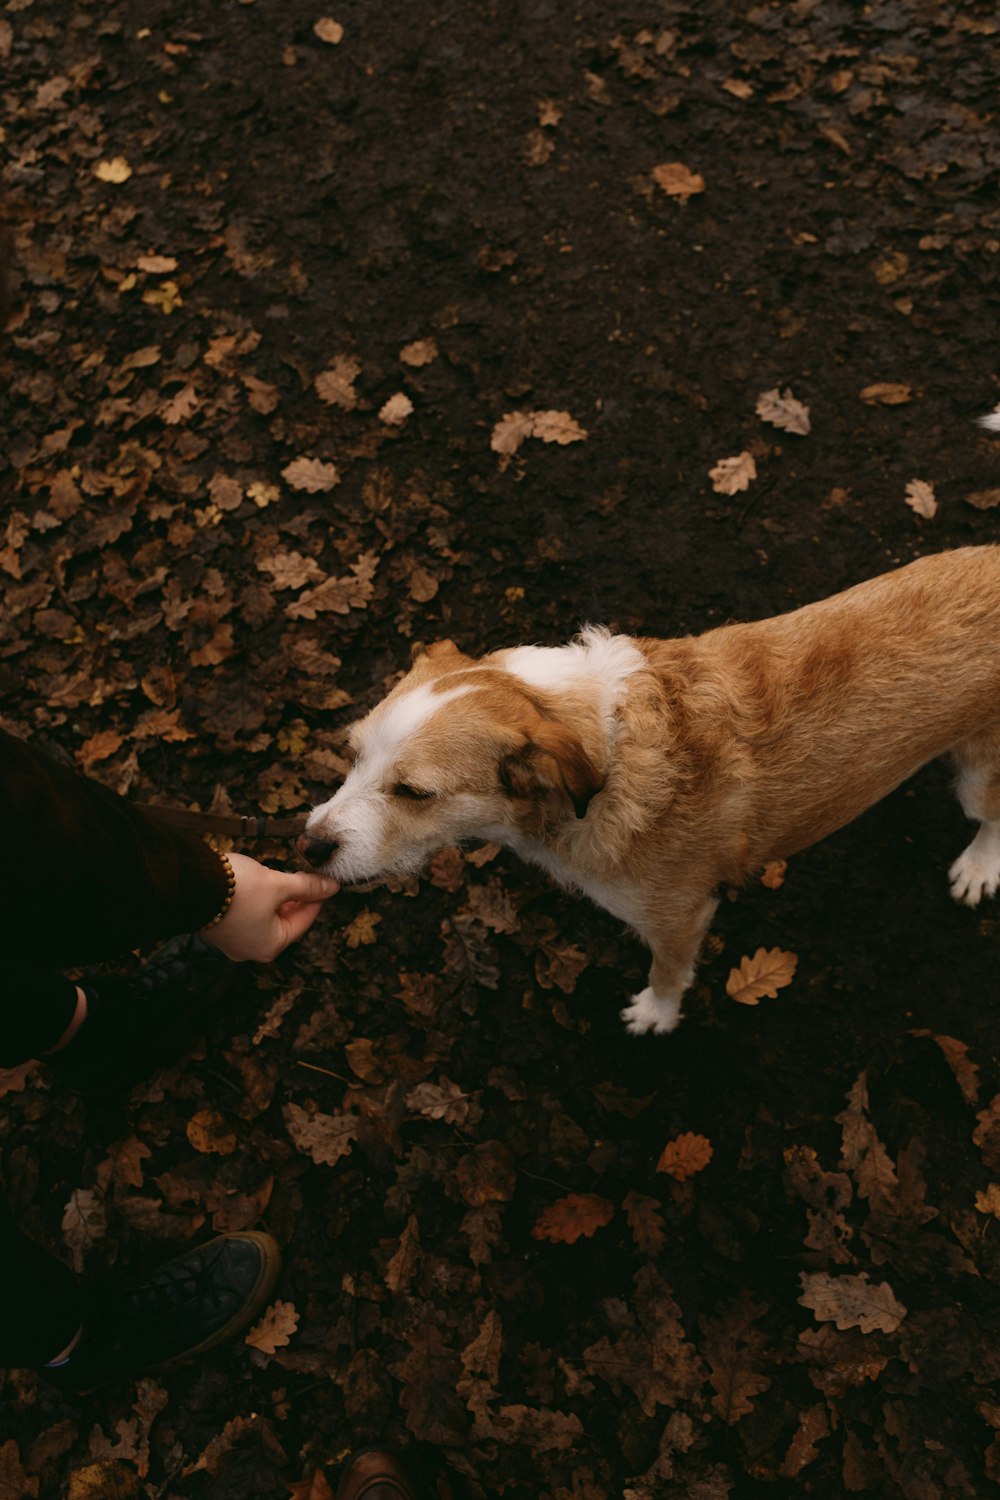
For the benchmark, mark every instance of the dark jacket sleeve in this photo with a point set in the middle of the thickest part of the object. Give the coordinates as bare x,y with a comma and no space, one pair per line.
85,874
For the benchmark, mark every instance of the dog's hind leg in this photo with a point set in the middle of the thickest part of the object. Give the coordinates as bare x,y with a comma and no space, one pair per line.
976,871
675,946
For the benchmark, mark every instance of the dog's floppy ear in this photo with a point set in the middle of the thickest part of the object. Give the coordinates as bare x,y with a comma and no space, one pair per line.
437,649
551,757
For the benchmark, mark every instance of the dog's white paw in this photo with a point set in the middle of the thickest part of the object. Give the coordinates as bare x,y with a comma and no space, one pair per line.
976,871
649,1011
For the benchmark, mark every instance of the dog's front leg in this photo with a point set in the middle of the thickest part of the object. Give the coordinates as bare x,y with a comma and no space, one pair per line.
675,941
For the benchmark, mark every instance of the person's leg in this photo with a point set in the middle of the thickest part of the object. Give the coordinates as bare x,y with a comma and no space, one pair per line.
41,1303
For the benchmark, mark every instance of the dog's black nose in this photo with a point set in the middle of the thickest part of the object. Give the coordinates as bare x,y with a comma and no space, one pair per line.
316,851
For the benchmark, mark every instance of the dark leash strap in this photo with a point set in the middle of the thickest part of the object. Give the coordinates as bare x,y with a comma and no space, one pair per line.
263,826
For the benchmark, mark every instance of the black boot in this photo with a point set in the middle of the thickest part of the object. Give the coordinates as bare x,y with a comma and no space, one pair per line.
136,1022
179,1309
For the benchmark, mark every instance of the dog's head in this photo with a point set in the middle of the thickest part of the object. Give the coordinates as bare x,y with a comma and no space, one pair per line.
459,749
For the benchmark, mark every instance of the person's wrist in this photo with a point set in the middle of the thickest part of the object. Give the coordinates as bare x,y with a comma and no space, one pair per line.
230,893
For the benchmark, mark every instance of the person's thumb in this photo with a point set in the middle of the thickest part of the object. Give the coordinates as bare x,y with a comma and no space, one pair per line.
304,885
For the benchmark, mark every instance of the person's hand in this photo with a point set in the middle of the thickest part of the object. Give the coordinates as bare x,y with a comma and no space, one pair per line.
269,910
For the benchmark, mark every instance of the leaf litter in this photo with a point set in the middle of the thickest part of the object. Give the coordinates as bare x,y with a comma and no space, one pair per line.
216,553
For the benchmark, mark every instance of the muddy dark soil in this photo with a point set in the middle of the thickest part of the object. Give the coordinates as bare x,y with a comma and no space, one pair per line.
481,176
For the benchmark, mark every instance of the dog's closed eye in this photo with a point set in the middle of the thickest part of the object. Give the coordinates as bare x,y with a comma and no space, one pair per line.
412,793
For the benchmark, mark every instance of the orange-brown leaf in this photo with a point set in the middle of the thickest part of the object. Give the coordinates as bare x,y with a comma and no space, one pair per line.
768,971
577,1216
685,1156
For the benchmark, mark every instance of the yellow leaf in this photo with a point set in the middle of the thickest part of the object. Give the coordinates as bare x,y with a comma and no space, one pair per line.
677,180
396,410
361,932
274,1329
989,1202
329,30
781,409
730,475
920,497
116,170
768,971
886,393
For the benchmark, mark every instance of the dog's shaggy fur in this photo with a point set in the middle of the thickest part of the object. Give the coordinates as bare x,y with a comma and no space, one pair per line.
645,773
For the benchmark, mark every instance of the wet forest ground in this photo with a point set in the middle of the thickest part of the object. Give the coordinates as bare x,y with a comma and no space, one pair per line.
282,280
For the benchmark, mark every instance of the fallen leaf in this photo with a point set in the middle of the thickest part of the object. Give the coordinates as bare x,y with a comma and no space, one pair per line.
84,1222
989,1202
275,1328
329,30
781,409
768,971
396,410
733,1348
956,1054
100,746
116,170
730,475
180,407
156,265
578,1215
886,393
550,426
851,1302
209,1132
557,427
773,875
738,87
685,1155
486,1175
326,1138
420,352
311,475
361,930
678,181
335,386
920,498
646,1222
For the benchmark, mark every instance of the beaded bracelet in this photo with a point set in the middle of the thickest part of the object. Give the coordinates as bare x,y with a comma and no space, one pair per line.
230,893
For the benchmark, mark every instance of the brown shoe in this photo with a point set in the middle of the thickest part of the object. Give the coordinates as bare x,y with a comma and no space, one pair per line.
375,1474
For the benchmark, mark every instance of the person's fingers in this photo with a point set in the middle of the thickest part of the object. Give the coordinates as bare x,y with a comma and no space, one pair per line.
297,918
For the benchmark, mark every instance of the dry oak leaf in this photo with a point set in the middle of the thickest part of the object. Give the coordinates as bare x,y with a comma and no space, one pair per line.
326,1138
886,393
337,595
773,874
99,747
275,1328
396,410
361,931
648,1226
290,570
180,407
677,180
576,1216
731,475
157,265
208,1132
956,1055
329,30
84,1222
685,1155
550,426
989,1202
115,170
851,1302
920,498
420,352
335,386
781,409
768,971
311,475
557,427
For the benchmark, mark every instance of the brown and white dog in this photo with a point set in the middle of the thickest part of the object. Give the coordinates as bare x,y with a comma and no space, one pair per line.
645,773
